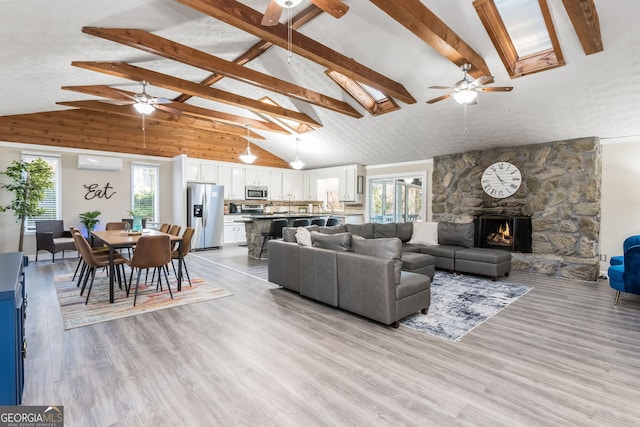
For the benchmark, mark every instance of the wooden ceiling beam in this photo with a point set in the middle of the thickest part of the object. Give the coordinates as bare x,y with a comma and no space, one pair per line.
584,17
169,49
247,19
422,22
259,48
131,72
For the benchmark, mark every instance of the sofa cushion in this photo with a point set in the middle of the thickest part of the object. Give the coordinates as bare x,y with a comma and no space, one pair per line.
387,248
381,231
333,229
424,233
455,234
303,237
289,234
404,230
362,230
334,242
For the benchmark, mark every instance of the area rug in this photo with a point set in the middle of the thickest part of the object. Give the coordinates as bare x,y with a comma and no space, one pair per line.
460,303
76,314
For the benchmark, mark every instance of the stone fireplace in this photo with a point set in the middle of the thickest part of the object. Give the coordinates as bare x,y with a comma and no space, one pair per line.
559,194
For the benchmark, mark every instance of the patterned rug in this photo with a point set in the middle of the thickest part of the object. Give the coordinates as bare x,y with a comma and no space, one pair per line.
76,314
460,303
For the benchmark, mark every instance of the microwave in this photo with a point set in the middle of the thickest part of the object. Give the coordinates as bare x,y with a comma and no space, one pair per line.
255,193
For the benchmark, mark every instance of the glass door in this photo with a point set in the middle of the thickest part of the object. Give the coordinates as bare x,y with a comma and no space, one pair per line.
395,200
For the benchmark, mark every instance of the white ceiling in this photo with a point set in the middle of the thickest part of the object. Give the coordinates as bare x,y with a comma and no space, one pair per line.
595,95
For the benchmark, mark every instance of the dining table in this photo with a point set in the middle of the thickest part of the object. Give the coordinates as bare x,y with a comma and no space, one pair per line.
116,239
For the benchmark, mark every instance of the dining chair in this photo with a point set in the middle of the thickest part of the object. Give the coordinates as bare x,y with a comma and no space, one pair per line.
151,252
116,225
187,236
164,228
98,251
94,261
174,230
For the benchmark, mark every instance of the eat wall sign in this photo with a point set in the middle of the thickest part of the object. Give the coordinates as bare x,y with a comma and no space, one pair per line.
94,191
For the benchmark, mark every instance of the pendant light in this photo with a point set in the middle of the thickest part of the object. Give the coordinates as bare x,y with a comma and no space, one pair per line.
247,157
289,5
297,163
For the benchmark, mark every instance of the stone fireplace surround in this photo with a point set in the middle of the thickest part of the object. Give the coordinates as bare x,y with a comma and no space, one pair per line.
560,191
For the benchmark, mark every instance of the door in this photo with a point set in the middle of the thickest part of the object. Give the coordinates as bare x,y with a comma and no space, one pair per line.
395,200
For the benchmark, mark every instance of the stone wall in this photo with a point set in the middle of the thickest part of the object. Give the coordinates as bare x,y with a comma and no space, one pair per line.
560,191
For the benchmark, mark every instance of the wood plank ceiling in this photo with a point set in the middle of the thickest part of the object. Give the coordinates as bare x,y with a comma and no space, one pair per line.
179,128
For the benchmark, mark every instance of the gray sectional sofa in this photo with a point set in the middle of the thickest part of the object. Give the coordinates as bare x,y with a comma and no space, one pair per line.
355,274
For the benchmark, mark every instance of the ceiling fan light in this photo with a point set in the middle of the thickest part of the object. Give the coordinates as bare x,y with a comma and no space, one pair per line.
288,3
297,163
465,96
143,107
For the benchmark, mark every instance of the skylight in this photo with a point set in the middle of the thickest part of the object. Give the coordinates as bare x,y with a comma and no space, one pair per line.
374,101
525,24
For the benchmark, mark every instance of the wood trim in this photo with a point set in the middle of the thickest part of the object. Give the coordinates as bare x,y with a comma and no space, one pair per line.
584,18
418,19
131,72
166,48
247,19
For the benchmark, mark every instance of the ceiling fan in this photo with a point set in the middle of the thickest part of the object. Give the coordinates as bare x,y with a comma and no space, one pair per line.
466,90
145,103
272,14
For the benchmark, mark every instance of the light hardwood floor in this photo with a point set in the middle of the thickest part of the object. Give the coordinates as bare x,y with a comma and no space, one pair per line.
562,355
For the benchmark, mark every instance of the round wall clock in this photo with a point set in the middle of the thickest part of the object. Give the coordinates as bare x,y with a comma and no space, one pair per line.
501,180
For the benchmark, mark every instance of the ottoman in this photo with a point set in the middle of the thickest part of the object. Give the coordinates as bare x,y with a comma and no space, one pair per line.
415,262
487,262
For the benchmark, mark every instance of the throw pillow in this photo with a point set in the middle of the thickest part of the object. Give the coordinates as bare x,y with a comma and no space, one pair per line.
335,242
454,234
424,233
289,234
387,248
303,237
364,230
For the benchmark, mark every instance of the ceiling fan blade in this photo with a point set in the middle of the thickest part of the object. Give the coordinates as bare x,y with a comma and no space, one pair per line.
335,8
480,81
440,98
495,89
168,109
272,14
440,87
161,100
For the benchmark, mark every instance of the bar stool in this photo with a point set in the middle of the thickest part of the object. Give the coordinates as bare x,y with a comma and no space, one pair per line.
301,222
332,221
275,232
319,221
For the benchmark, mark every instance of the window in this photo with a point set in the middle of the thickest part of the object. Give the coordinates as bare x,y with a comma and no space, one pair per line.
523,34
375,101
51,203
144,191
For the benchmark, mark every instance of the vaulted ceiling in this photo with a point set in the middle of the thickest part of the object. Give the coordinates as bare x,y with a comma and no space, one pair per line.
218,64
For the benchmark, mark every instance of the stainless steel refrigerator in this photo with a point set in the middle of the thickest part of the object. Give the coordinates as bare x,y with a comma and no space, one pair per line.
205,213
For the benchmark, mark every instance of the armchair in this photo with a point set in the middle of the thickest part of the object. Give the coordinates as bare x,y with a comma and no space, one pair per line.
626,277
52,237
628,242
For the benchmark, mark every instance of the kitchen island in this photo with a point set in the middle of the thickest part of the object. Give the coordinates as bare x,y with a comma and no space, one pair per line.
257,224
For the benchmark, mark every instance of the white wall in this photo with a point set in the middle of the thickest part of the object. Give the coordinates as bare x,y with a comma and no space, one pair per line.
620,196
73,191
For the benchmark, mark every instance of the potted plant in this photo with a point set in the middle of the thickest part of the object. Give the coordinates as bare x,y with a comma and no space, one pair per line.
89,219
29,180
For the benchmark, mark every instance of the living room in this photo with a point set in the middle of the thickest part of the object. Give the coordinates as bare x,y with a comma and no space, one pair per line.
563,354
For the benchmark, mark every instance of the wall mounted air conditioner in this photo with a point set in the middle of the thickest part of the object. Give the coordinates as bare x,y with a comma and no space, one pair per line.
99,163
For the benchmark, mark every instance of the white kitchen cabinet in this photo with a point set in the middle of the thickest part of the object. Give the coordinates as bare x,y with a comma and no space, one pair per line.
201,172
275,186
298,187
310,185
287,186
237,182
348,183
225,178
257,176
192,171
234,232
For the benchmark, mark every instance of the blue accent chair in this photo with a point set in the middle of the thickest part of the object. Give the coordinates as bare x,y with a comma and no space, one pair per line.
628,242
626,277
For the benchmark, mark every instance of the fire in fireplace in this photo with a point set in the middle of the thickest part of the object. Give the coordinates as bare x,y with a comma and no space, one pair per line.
512,233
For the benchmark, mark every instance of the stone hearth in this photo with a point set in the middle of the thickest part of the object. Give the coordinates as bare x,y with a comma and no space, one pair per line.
560,191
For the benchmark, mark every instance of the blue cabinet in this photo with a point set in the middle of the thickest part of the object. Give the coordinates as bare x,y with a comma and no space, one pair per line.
13,344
